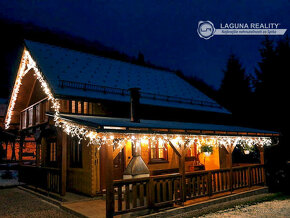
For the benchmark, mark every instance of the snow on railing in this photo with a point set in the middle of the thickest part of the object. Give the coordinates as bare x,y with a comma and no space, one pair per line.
125,92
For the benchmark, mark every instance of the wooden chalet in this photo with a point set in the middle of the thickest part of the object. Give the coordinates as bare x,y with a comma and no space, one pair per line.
139,133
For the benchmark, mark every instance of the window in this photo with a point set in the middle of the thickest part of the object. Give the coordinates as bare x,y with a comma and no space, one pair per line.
30,116
79,107
64,105
85,107
75,153
37,113
157,151
191,154
52,151
24,118
73,107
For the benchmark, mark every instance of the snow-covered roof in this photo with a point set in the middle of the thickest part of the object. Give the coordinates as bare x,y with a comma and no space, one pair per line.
101,122
74,73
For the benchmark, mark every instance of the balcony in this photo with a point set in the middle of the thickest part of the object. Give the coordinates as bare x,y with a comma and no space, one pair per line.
34,114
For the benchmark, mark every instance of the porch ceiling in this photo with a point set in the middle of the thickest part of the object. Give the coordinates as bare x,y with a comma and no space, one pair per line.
110,124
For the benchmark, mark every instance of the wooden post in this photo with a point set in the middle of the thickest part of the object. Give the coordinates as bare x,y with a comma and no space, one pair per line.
261,149
108,148
151,194
182,172
231,172
249,176
262,161
209,184
13,156
38,154
63,145
22,137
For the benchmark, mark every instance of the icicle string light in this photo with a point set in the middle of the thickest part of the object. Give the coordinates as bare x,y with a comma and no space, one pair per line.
99,139
83,132
27,63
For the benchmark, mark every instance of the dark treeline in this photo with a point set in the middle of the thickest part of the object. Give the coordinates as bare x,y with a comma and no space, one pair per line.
12,37
260,101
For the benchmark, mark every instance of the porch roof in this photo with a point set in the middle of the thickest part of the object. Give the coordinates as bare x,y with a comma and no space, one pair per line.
104,124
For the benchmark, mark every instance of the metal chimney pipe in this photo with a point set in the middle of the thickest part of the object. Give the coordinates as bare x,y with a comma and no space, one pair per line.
134,104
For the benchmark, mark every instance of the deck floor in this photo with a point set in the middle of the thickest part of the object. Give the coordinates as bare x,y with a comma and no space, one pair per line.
96,208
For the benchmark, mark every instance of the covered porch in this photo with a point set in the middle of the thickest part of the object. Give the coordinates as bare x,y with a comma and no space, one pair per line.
142,190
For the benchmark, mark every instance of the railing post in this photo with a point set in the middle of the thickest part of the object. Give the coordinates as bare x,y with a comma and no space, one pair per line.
249,176
209,183
264,174
150,200
231,173
182,172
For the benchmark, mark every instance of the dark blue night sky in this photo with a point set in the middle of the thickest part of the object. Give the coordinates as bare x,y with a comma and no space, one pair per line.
163,30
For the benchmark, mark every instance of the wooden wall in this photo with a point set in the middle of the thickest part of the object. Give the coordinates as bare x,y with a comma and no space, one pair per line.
83,179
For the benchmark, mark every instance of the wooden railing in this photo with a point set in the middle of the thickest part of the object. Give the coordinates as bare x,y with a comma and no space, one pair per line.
41,177
156,191
34,114
142,193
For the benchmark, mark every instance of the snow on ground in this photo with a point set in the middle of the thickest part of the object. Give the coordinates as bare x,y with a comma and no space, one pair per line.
11,181
276,208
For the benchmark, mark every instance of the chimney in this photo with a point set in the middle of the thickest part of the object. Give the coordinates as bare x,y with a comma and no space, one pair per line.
134,104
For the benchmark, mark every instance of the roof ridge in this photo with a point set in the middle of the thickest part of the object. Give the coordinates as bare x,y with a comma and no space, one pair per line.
157,68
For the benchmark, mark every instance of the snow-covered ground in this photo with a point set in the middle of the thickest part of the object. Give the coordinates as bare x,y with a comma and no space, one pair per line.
9,182
276,208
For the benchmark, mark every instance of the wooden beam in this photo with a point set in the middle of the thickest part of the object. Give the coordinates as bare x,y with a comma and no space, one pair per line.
108,148
175,149
118,150
261,149
183,151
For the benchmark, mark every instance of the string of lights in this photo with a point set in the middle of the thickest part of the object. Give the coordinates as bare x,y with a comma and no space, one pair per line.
99,139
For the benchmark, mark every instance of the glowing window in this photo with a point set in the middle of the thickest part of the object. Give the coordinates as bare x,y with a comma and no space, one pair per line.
79,107
85,107
158,151
52,153
73,107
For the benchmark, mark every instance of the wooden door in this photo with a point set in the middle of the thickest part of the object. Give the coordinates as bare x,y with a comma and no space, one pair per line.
119,165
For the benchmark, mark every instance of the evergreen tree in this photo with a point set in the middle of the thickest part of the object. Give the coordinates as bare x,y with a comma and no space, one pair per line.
235,90
264,74
272,110
271,83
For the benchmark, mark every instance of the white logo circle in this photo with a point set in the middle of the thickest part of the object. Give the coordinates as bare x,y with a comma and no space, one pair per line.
205,29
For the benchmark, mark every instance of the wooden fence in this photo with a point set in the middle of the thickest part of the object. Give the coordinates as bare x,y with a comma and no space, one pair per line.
156,191
41,177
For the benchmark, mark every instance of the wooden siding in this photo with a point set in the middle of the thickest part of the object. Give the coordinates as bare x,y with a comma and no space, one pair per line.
83,179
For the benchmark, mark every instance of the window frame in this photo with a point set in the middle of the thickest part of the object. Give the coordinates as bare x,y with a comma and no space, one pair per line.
193,155
52,161
76,152
156,148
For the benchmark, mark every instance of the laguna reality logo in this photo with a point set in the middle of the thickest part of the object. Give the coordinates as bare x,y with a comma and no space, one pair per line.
206,29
